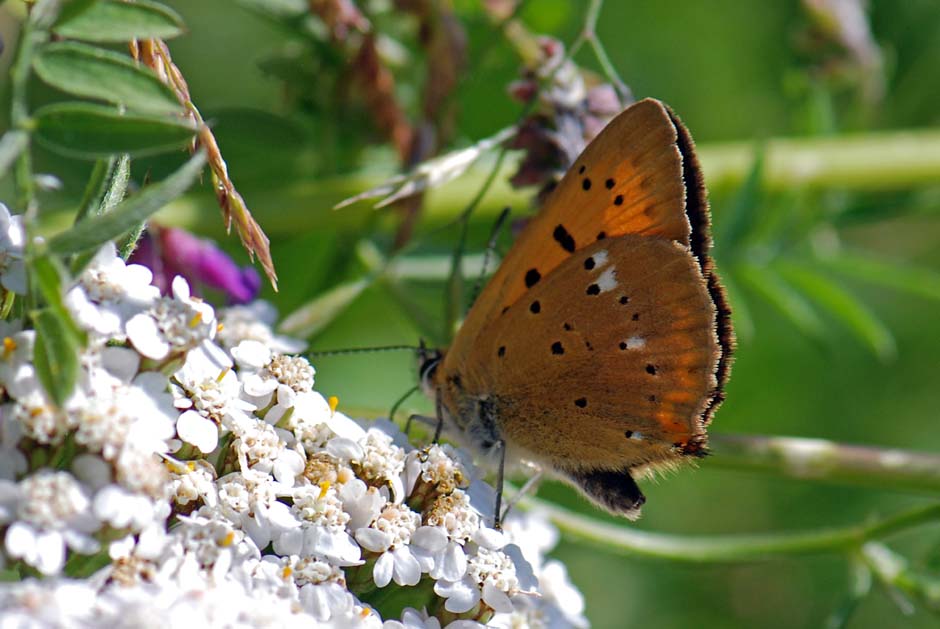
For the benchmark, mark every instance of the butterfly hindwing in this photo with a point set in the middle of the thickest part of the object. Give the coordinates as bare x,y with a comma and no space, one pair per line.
616,363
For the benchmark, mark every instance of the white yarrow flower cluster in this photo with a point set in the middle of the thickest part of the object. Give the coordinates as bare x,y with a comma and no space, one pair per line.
196,462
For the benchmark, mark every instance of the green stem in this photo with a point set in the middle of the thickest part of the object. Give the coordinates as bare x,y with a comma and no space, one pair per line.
42,15
617,538
869,161
873,161
821,460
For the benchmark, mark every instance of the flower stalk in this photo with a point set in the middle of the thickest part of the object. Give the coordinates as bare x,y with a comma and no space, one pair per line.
827,461
727,548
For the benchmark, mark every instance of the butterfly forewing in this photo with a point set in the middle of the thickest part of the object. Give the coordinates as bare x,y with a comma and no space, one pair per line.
629,180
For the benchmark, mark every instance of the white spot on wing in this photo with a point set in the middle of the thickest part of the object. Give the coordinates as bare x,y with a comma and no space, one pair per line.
600,258
635,342
637,435
608,280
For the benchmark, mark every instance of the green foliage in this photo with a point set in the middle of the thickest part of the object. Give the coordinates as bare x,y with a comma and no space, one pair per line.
94,231
55,355
106,21
96,73
92,131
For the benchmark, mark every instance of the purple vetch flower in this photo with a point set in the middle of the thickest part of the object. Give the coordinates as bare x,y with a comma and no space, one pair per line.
170,251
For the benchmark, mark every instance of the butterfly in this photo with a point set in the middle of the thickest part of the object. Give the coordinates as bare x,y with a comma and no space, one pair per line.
600,348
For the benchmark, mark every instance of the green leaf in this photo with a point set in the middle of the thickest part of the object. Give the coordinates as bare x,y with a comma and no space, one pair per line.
321,311
94,72
55,355
106,187
95,231
277,8
91,131
790,303
50,275
116,21
910,279
739,219
11,145
844,306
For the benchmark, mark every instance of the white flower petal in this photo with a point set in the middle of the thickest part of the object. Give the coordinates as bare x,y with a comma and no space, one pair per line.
122,363
489,538
50,552
383,570
197,430
146,337
290,542
453,563
344,449
251,354
434,538
496,598
407,569
374,540
461,595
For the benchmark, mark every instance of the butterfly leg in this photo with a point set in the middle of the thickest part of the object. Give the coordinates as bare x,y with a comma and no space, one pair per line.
614,490
530,487
424,419
439,411
500,471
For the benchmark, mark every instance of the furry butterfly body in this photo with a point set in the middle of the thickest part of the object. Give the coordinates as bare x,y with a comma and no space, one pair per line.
600,347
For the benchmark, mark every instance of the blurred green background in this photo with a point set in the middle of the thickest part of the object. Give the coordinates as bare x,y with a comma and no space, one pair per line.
735,70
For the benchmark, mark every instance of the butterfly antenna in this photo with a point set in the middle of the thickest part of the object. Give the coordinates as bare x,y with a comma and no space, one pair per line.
488,253
362,350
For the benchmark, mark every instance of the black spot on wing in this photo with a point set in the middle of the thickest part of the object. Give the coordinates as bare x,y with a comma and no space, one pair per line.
532,277
557,348
535,307
563,238
581,402
593,289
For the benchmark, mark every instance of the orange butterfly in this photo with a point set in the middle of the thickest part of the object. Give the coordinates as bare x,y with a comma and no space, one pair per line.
600,347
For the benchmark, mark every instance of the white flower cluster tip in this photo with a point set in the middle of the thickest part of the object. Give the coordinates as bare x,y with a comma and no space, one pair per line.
196,463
